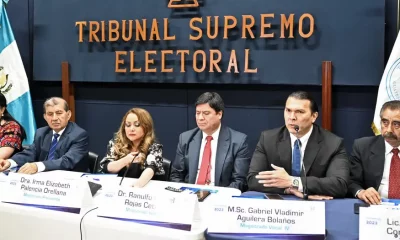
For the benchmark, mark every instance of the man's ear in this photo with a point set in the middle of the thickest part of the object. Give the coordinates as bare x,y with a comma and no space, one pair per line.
315,116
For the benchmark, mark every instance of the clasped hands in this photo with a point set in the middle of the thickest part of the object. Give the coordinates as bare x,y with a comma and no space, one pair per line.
279,178
133,156
27,168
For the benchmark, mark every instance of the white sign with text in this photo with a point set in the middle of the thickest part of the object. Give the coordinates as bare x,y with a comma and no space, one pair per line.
44,191
244,215
379,222
159,208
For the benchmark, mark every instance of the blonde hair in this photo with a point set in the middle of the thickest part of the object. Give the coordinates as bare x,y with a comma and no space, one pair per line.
123,145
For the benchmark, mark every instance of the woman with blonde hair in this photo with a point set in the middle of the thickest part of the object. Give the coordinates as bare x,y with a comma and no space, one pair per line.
134,149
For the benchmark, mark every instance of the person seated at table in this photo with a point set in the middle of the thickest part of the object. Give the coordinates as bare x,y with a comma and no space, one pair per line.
375,161
211,154
62,145
133,150
276,165
11,132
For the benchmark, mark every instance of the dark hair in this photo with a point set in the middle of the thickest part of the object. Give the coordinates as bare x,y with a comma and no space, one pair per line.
392,105
55,101
213,99
7,116
301,95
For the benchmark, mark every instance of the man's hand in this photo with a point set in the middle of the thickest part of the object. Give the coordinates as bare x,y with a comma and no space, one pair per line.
28,168
277,178
4,165
299,194
370,196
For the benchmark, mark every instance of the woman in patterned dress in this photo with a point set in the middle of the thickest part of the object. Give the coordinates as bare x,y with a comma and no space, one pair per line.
11,132
133,150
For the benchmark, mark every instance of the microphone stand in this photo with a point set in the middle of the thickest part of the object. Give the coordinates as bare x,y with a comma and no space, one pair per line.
122,179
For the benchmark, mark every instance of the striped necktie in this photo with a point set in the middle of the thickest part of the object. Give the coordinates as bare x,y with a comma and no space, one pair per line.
53,146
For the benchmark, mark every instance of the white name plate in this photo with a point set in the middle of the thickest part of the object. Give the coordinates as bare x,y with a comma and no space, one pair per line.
45,191
158,208
260,216
379,222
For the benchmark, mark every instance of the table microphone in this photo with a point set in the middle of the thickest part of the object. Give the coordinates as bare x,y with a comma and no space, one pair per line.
305,189
127,169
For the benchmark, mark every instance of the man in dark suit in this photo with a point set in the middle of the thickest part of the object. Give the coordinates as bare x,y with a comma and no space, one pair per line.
212,153
62,145
375,163
277,162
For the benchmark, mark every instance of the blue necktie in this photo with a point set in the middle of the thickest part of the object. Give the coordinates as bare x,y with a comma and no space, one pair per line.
296,168
53,146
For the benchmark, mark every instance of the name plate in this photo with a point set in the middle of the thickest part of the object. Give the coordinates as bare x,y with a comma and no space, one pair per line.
260,216
380,222
158,208
45,191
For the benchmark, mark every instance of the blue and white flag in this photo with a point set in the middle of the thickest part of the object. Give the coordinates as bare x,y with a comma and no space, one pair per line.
389,87
13,80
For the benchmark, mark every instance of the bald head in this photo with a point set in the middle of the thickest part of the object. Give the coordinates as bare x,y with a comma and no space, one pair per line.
55,101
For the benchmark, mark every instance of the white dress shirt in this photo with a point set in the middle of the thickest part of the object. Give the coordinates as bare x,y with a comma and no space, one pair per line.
304,141
39,165
384,187
214,145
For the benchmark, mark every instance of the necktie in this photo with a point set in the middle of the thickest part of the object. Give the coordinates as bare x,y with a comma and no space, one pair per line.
296,159
53,146
205,168
394,175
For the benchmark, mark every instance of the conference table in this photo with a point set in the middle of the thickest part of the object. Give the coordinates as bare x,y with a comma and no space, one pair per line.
340,219
21,222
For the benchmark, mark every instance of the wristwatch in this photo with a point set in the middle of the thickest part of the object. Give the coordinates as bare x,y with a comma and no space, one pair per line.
295,183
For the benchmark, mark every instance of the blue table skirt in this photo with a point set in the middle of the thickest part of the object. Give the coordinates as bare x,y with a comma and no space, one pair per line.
341,222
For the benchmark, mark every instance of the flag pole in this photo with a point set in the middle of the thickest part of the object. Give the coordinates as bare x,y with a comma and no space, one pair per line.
398,18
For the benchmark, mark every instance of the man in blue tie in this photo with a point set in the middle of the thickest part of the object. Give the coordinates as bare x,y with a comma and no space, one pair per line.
62,145
300,157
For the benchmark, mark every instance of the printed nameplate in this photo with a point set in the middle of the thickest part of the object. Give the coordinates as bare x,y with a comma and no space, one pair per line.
159,208
380,222
43,191
244,215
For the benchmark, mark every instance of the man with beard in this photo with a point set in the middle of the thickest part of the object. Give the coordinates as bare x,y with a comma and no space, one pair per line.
375,163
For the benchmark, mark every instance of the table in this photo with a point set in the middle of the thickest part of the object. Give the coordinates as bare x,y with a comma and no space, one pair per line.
21,222
341,222
96,228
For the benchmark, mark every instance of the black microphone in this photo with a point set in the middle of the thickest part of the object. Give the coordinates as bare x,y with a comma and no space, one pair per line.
127,169
305,189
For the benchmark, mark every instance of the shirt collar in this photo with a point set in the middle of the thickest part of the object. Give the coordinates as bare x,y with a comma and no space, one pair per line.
303,139
60,132
215,135
388,148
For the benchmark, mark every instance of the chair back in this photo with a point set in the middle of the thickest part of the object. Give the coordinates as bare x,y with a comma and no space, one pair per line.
93,164
167,170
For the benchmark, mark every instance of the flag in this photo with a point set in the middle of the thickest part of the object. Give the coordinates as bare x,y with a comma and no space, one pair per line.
13,80
389,88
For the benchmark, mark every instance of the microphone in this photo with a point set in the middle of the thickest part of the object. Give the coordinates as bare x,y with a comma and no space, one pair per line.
127,169
305,189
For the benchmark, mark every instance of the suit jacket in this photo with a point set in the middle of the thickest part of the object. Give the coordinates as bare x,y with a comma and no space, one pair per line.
325,161
70,154
232,159
367,162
